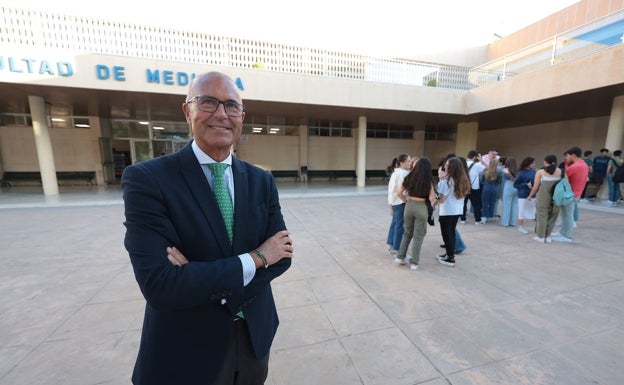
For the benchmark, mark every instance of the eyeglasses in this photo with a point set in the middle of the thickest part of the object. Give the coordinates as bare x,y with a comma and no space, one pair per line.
210,104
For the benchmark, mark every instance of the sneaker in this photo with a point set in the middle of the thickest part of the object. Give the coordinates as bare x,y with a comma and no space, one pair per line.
392,252
448,261
583,201
548,240
562,239
443,246
413,266
441,256
484,220
555,234
479,222
462,222
523,230
538,239
399,261
574,225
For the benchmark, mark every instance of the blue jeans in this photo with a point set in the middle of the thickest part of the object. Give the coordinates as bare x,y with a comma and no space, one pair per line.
395,233
614,191
459,242
567,219
488,197
510,205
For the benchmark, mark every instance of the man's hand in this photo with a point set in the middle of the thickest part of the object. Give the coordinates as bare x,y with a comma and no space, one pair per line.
275,248
175,257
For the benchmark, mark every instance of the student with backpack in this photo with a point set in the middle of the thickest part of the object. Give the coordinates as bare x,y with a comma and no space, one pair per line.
576,172
546,210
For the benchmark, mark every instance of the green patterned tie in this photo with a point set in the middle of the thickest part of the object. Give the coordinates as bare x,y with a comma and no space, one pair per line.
223,196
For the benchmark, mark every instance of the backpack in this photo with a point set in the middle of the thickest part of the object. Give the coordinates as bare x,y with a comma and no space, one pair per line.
562,193
618,176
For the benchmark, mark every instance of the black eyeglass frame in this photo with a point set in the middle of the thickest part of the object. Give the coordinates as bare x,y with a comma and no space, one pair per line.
226,105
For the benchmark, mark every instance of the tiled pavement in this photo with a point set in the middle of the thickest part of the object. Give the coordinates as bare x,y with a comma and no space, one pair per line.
511,312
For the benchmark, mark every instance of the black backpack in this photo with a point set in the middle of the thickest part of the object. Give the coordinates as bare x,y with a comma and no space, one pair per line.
618,176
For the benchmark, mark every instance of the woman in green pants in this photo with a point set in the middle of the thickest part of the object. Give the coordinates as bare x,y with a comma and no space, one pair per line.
416,189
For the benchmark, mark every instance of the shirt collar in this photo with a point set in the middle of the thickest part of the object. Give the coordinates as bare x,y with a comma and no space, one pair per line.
203,158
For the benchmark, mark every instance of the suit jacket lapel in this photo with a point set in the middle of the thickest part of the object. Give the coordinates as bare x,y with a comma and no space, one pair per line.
194,176
241,196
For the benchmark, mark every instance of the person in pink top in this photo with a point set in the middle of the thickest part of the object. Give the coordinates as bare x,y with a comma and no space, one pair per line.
576,171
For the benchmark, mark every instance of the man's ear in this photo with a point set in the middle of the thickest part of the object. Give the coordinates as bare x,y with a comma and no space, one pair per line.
187,111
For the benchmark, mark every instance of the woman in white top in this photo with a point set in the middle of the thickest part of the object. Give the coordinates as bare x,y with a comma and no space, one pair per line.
401,165
543,186
452,190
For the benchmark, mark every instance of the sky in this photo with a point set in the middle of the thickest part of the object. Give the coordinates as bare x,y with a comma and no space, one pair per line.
384,28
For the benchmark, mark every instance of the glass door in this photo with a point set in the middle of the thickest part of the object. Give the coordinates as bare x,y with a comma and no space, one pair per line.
141,150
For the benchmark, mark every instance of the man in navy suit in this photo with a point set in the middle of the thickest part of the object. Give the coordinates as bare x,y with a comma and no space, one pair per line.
210,317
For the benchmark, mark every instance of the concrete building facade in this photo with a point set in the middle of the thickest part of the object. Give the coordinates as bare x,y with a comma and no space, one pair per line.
92,96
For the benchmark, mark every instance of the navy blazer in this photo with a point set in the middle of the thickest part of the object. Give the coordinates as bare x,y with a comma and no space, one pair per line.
190,309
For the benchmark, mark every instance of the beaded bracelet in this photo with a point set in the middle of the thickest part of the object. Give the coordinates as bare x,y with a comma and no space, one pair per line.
262,257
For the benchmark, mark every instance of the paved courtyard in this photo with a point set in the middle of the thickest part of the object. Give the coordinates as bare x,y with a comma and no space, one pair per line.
511,312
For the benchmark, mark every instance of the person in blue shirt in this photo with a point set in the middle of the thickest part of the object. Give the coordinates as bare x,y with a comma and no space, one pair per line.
601,162
524,183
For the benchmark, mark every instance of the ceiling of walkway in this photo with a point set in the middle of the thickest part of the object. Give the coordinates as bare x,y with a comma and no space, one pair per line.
167,107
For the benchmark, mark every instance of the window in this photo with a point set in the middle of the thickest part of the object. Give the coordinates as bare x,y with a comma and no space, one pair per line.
130,129
20,120
271,125
325,127
25,120
440,132
69,122
389,131
170,130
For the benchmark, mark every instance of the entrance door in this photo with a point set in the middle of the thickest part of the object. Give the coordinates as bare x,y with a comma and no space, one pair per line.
129,151
141,150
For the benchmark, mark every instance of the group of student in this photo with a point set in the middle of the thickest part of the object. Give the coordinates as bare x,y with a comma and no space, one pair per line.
526,194
604,167
413,196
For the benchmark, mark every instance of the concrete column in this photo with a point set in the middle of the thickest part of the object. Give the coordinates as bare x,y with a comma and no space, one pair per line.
615,134
303,150
418,140
43,145
466,140
360,167
615,131
419,144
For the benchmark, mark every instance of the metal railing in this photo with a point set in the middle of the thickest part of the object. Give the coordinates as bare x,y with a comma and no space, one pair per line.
590,38
30,28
